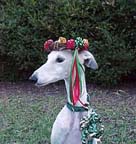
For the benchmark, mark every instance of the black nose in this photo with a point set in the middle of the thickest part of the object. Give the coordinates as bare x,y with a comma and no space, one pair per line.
33,77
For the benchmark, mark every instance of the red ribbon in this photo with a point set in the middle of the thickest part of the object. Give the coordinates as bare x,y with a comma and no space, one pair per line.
75,83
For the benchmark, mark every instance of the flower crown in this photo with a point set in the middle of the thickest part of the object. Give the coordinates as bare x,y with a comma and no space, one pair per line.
62,43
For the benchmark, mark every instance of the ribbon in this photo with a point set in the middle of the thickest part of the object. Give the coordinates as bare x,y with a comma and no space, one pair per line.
75,79
75,74
79,42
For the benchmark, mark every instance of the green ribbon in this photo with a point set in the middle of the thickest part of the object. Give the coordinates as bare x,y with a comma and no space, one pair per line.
78,70
79,42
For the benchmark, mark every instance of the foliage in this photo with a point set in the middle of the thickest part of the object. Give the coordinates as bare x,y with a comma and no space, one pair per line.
110,28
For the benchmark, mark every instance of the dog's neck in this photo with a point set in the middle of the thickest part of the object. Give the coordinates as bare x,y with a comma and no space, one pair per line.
83,96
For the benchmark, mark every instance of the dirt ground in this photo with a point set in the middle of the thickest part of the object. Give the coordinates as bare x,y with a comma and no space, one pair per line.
110,96
10,88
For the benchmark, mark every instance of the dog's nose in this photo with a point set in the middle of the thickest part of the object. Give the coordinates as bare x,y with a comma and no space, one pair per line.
33,77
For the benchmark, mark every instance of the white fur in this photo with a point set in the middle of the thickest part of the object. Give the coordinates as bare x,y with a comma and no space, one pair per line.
66,129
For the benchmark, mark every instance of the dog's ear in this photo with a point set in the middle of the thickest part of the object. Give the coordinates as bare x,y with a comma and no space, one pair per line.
88,59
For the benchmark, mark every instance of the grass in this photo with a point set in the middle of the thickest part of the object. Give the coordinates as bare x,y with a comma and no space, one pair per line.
27,119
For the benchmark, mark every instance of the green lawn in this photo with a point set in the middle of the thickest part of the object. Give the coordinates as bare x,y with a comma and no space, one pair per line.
26,119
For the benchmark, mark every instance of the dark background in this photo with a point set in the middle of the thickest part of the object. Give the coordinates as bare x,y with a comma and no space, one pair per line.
109,25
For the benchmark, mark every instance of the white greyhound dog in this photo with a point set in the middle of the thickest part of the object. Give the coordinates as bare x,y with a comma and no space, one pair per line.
66,128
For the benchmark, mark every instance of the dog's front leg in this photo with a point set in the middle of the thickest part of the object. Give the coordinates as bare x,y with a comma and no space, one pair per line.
62,126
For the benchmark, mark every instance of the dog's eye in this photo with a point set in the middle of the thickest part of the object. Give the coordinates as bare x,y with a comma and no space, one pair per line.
60,59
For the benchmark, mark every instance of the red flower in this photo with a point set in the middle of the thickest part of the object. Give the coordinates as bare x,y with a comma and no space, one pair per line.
71,44
47,44
86,44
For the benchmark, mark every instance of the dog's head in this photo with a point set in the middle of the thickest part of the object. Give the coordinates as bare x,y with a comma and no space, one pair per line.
58,65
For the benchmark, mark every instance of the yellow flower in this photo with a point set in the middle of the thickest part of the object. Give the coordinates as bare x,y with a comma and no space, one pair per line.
62,40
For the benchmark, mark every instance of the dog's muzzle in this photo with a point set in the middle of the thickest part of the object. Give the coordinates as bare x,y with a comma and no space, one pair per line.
33,77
